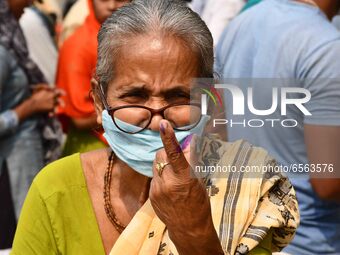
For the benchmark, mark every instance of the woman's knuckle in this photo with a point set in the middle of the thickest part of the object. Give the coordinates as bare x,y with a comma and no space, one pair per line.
174,155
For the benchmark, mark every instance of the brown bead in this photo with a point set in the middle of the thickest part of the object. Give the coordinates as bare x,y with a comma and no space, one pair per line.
107,199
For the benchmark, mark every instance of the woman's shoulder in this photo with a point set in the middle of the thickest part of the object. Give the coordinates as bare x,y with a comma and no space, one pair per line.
60,175
222,158
241,150
69,173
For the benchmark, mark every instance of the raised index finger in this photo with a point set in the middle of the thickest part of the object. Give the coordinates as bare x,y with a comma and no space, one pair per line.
172,148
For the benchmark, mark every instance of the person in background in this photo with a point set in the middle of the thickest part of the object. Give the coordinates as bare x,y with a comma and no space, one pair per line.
74,18
77,60
59,6
22,148
38,24
217,13
294,41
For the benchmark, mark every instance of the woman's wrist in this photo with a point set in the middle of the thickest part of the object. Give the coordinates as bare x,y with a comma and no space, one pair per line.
25,109
200,240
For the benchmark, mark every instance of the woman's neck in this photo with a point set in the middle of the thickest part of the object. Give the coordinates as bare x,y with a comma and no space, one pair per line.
129,183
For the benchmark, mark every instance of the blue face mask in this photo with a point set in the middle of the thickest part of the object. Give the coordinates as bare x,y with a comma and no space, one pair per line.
139,150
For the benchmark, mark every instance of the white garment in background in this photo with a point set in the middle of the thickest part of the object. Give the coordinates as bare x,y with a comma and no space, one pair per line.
74,19
217,13
336,21
42,49
197,5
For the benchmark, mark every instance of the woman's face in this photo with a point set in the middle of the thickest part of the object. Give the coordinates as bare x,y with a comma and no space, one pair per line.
17,6
153,72
104,8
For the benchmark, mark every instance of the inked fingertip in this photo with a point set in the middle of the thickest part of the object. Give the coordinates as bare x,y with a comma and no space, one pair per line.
163,125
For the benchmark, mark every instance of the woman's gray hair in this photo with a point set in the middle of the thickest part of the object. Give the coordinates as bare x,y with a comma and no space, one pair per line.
168,17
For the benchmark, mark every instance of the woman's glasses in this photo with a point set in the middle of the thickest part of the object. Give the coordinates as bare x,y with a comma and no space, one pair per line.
133,119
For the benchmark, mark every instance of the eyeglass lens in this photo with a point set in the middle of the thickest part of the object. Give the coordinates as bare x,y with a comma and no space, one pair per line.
181,117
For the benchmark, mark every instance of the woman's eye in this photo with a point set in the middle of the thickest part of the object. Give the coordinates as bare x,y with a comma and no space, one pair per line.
179,97
134,97
184,95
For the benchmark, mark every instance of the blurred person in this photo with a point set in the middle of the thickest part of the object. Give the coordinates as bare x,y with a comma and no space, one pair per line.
38,25
74,18
138,196
27,137
59,6
285,43
217,13
77,61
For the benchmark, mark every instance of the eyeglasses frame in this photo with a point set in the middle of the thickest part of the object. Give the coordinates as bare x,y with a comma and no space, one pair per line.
160,111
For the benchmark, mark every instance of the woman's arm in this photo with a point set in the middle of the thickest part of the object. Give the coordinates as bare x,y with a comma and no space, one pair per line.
8,118
181,201
43,100
201,239
322,143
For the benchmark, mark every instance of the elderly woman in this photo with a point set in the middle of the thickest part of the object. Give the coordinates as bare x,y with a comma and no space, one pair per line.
139,196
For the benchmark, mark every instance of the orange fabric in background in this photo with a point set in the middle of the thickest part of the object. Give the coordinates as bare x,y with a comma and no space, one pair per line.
77,62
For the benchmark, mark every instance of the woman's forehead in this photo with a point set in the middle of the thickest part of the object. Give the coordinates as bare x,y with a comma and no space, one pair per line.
155,47
160,89
154,63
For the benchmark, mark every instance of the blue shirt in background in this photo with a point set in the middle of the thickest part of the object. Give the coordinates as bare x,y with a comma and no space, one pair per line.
285,43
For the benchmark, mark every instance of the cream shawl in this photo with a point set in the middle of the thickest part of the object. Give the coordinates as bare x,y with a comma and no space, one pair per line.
245,209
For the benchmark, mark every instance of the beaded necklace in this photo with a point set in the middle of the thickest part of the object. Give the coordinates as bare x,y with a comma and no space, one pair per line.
107,198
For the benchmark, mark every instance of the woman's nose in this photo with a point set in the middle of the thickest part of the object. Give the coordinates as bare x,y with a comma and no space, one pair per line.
154,124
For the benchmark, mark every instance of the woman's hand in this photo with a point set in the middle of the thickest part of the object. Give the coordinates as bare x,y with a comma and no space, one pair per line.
181,201
43,99
40,86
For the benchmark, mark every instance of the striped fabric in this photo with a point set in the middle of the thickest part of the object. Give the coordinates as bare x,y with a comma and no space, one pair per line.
247,209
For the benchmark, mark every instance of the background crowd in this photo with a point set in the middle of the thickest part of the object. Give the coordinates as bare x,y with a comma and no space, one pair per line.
48,53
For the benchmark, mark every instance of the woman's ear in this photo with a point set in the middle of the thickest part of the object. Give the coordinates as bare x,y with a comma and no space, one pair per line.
98,105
